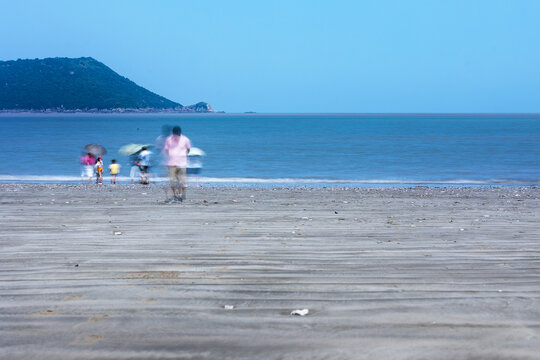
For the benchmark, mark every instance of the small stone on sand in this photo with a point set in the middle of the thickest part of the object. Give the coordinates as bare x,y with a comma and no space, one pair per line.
300,312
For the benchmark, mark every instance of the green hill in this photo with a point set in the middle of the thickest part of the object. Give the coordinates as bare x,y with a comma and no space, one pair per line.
85,84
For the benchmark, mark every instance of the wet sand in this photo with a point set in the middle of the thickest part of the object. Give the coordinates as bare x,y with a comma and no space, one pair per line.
103,272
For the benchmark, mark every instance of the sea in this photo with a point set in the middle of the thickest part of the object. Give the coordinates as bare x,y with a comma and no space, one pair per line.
288,149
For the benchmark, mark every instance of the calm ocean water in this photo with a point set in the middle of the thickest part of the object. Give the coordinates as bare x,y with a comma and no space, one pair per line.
285,149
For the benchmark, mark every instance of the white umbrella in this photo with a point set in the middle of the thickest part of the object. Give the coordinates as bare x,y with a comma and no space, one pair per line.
196,152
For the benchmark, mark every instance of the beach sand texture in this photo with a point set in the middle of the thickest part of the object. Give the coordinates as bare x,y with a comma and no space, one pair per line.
90,272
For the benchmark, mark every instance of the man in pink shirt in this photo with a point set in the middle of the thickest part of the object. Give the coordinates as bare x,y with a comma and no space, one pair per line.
176,149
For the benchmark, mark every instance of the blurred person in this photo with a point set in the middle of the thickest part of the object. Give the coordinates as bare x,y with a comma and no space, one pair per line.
87,163
98,166
144,164
177,148
134,162
114,169
160,141
160,145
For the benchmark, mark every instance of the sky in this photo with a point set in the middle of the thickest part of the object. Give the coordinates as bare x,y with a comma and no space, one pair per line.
334,56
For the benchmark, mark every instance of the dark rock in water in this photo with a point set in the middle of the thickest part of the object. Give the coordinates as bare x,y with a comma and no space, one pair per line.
199,107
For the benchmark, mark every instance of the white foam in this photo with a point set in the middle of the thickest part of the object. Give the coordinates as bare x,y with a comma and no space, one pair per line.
246,180
339,181
363,181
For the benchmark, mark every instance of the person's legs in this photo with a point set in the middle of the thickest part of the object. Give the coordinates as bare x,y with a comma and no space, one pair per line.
179,184
88,169
174,180
132,174
146,179
183,182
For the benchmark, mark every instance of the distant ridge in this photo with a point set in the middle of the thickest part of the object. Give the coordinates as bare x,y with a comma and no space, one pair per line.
77,85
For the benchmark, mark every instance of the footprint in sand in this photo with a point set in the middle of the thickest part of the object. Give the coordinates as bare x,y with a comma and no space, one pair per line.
48,312
92,319
153,288
147,301
153,275
123,286
87,340
97,318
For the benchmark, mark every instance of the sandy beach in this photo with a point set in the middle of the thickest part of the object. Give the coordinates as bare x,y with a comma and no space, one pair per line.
111,272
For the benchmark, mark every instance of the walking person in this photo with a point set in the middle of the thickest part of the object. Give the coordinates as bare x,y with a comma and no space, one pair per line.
176,149
166,130
144,164
87,162
134,170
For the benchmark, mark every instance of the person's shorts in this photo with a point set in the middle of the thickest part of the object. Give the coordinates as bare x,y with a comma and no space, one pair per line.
143,169
177,175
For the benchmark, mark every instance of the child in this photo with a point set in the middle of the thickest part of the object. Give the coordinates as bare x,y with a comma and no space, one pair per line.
99,170
114,168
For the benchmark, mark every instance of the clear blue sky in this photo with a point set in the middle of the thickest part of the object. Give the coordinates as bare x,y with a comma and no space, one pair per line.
299,56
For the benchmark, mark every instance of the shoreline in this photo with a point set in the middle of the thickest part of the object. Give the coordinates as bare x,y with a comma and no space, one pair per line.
249,182
112,272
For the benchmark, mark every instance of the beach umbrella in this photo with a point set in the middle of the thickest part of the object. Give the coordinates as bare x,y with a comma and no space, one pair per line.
95,149
196,152
131,149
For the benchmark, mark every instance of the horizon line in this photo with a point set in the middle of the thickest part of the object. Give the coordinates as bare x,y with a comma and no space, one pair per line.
247,113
